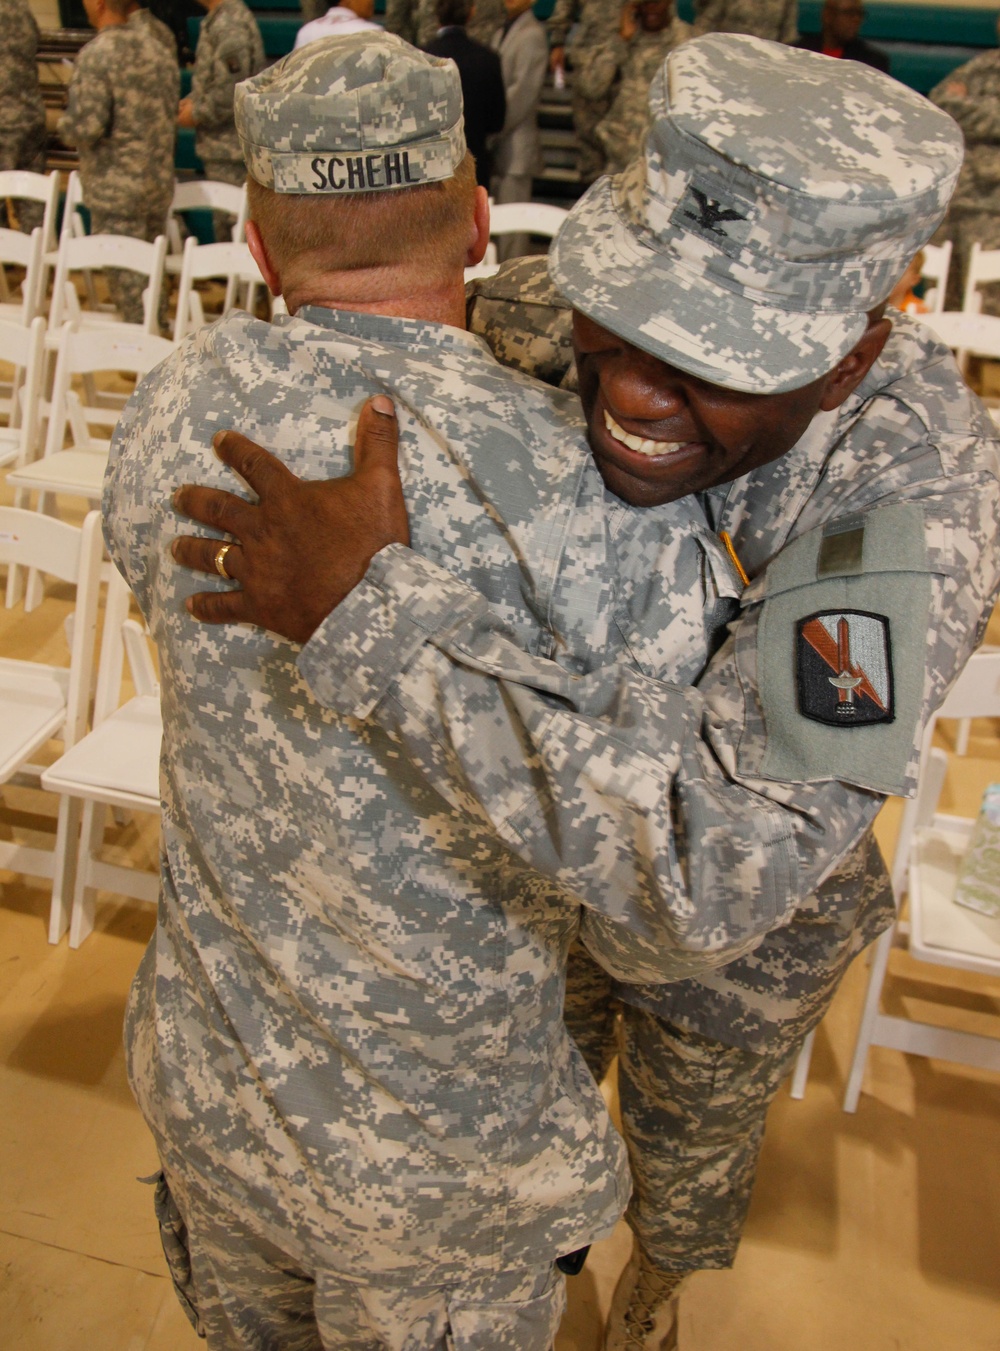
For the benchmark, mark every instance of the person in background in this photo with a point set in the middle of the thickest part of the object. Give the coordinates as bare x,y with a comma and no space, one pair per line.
353,16
623,68
524,60
971,94
597,23
483,97
416,21
841,22
904,296
776,20
229,50
22,112
120,117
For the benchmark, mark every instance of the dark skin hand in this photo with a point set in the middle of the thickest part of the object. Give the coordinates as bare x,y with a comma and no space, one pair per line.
299,551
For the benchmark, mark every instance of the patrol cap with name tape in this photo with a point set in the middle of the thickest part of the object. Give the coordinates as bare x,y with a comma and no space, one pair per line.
362,112
780,196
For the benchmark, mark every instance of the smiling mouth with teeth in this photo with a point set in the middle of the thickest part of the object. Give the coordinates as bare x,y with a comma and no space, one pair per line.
643,445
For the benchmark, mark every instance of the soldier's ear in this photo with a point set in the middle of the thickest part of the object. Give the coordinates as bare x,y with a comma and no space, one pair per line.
852,369
479,235
260,255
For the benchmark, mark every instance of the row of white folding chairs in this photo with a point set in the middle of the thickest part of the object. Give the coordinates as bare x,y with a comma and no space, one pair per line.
115,762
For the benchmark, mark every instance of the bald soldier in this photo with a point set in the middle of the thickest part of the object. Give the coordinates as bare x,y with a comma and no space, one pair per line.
347,1034
731,342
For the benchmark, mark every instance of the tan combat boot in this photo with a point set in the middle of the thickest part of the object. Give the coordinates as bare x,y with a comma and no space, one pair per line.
643,1314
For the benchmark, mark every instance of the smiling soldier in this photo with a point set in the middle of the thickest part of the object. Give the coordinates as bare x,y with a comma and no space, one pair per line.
731,342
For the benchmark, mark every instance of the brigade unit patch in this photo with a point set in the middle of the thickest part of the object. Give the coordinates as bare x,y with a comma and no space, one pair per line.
843,672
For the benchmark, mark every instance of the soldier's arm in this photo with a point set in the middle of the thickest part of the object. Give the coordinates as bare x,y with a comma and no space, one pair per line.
213,88
560,21
971,95
597,68
90,104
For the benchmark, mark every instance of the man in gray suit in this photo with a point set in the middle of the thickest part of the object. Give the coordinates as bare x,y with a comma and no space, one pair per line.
524,59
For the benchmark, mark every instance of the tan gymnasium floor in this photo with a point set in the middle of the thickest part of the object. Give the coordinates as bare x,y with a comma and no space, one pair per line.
874,1232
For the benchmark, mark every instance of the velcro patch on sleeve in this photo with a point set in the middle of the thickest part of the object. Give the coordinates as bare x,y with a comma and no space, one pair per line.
843,668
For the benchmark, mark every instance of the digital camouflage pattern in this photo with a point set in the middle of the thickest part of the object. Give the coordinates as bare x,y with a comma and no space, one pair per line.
230,49
22,112
974,214
912,432
776,20
354,113
746,249
121,115
349,1022
240,1291
416,21
597,23
625,71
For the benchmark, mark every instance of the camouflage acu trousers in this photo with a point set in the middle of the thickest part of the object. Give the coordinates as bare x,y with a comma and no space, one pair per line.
693,1113
126,287
241,1293
965,228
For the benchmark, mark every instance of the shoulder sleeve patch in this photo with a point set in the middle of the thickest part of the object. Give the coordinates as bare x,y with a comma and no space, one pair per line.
841,652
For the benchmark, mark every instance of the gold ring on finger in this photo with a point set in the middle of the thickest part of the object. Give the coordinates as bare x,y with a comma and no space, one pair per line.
220,561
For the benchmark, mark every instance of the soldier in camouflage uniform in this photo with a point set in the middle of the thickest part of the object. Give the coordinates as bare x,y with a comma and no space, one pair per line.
22,112
623,69
971,94
597,24
777,20
346,1035
120,117
416,20
908,449
229,50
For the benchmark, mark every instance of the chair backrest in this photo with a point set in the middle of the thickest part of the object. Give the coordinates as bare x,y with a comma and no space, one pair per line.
937,264
975,694
984,266
23,349
24,251
203,194
94,252
31,540
533,218
44,188
84,352
234,262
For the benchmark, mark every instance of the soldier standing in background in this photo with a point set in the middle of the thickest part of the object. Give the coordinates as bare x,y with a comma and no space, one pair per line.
230,49
120,118
777,20
22,112
416,21
971,94
524,58
623,68
598,24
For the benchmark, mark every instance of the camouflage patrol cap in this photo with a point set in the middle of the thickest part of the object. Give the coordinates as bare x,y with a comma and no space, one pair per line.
780,197
362,112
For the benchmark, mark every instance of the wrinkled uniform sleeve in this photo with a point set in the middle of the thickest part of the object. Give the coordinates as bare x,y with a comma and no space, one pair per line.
977,112
597,68
90,103
231,58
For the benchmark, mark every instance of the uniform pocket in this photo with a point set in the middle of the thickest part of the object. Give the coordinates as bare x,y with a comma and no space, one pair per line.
174,1237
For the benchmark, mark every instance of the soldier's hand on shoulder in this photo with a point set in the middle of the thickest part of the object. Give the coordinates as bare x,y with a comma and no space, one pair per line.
303,546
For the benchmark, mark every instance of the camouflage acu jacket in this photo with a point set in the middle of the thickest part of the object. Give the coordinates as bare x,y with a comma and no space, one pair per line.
350,1018
22,113
122,118
777,20
774,798
229,50
977,112
598,21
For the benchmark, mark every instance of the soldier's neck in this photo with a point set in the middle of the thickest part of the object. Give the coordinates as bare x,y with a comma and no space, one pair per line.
383,291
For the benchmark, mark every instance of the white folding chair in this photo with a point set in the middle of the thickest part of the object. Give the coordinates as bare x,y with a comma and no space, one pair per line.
924,869
203,194
41,702
204,262
23,349
533,218
115,765
21,250
937,265
984,266
44,188
92,253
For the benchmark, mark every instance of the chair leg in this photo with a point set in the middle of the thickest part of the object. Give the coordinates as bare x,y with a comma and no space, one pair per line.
64,868
798,1088
962,736
880,963
84,895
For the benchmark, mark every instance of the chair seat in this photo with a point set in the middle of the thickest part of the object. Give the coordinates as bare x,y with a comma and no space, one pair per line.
78,472
940,930
118,762
32,710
